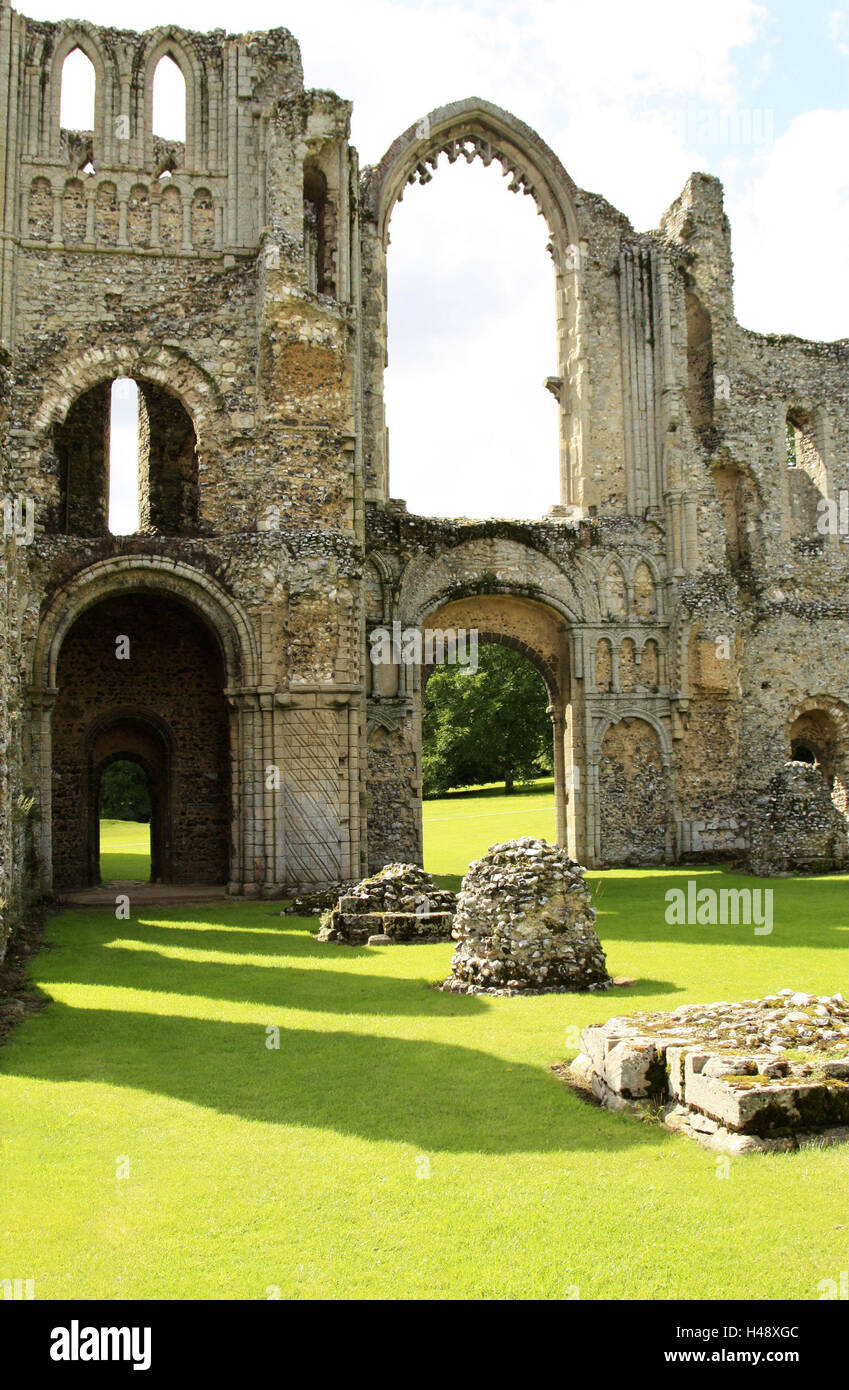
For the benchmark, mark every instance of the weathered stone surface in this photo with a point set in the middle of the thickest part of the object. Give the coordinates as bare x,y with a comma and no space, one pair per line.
316,904
401,903
524,921
796,826
720,1072
679,598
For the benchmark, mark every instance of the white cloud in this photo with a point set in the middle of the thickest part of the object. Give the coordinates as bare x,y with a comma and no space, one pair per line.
790,233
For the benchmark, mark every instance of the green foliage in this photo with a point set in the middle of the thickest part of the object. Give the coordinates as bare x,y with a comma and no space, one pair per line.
486,726
124,793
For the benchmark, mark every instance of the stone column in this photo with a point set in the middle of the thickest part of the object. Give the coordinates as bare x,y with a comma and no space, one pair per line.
558,726
42,703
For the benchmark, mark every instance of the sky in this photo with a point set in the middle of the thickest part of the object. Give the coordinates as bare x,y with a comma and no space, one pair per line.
632,97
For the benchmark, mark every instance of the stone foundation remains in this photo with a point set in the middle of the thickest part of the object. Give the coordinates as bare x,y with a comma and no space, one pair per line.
400,903
525,921
762,1074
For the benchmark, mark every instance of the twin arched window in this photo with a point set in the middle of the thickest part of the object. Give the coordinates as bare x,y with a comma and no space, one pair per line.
78,92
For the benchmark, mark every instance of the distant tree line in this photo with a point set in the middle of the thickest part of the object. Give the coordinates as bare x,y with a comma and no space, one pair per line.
124,792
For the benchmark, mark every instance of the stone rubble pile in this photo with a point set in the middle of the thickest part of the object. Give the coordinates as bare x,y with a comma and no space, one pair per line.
762,1073
525,922
399,903
322,900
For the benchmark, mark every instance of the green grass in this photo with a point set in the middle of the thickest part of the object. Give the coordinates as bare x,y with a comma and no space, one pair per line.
124,850
400,1142
461,826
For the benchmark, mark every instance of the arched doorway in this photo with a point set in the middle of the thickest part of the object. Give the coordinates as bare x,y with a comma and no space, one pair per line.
141,675
529,626
201,689
144,741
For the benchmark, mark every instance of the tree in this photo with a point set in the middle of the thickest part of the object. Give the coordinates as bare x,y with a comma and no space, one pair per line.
124,792
487,725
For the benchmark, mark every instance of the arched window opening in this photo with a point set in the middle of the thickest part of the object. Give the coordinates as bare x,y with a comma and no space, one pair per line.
124,458
472,340
818,738
124,816
169,102
127,460
78,86
317,248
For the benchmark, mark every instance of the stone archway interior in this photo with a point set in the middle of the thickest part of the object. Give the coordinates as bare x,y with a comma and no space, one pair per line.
140,674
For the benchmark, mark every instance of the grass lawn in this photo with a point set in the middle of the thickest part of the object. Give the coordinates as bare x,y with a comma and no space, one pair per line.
124,850
399,1142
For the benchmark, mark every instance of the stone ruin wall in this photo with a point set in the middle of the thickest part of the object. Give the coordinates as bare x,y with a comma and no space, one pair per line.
246,294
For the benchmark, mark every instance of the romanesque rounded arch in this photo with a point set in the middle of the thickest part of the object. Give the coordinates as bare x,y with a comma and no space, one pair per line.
474,128
635,711
545,668
167,367
488,587
143,573
836,710
483,565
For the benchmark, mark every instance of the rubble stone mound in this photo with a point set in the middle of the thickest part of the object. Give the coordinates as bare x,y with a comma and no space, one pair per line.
525,922
796,827
399,903
758,1074
319,901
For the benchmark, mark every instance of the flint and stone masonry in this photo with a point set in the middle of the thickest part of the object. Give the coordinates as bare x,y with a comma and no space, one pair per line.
684,599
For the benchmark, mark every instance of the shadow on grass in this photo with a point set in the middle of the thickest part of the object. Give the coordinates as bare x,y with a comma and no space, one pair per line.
97,950
132,959
631,905
438,1096
540,788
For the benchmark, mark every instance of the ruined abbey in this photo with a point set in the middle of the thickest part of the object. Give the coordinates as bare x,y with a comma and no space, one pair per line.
685,598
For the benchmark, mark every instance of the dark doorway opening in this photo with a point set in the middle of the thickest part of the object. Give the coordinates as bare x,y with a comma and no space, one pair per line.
141,679
802,753
129,773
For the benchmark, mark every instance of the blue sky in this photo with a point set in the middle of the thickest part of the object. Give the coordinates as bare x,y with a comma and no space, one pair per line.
632,97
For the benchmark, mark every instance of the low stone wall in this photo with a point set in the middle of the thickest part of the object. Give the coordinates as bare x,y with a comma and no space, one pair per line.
400,903
796,827
719,1072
